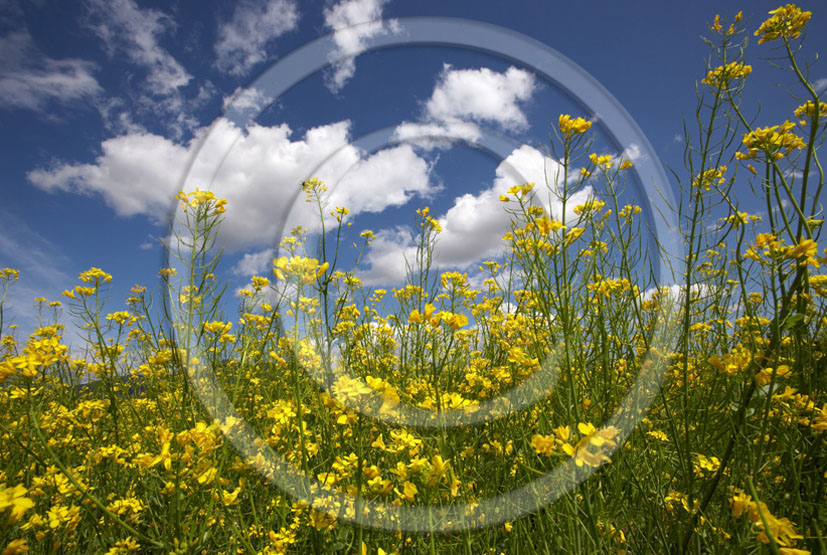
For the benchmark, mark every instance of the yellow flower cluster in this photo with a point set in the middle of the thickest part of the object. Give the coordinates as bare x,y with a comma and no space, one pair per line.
429,221
776,142
304,268
199,198
429,315
716,25
721,76
9,274
518,190
786,22
590,450
572,126
15,500
705,179
772,247
809,109
313,187
604,160
781,528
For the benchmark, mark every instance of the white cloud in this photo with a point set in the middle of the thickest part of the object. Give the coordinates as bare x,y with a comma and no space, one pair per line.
134,32
473,227
437,134
28,79
258,170
481,95
136,174
386,257
353,22
820,85
242,41
632,153
255,263
388,178
251,99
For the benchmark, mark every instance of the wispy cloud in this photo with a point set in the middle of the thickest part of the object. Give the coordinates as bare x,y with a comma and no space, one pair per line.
245,102
243,40
353,23
42,273
163,92
31,80
441,134
135,33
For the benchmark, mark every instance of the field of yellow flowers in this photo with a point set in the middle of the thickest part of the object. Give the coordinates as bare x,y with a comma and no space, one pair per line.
569,405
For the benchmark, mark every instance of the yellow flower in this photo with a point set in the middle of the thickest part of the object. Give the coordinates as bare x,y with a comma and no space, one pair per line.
704,180
809,109
59,516
409,491
523,189
575,126
455,321
197,199
15,547
604,160
16,500
758,512
786,22
806,250
544,445
721,76
259,282
589,450
305,269
776,142
95,275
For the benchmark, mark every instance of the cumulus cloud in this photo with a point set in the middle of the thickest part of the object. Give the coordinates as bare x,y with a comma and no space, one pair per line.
243,40
128,30
387,257
135,174
31,80
353,23
462,99
473,227
257,169
481,95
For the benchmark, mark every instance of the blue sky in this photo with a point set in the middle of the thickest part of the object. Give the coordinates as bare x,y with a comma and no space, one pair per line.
104,103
